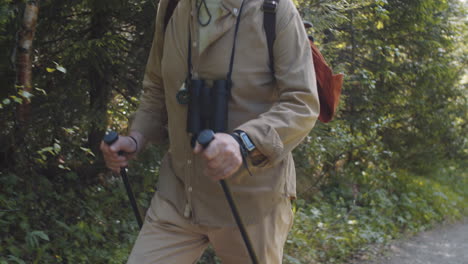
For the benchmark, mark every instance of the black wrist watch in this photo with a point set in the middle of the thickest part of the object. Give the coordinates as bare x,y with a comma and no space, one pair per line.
247,144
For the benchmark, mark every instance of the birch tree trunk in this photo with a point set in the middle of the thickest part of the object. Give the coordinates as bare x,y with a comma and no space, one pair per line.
24,57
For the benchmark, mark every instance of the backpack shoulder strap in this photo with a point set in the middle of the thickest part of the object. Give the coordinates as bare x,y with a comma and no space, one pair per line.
269,24
171,5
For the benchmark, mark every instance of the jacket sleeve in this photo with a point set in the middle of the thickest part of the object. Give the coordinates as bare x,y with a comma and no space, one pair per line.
279,130
150,119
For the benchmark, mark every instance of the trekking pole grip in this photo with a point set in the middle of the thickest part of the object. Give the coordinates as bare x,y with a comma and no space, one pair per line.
110,138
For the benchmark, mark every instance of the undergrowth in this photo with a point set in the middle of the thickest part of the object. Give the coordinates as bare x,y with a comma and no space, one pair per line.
331,228
57,222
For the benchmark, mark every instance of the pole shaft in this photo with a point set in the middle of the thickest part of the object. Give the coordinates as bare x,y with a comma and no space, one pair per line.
240,224
131,197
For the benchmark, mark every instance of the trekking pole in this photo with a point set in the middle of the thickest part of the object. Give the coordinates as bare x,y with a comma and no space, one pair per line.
204,139
109,139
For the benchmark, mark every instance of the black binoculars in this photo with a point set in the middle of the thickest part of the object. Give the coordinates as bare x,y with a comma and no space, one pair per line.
207,107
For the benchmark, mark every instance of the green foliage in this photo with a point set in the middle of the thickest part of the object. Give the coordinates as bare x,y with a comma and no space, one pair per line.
58,203
37,223
334,226
60,222
403,114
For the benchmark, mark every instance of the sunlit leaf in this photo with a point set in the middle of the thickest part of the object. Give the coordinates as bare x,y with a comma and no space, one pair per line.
26,94
17,99
41,90
68,130
379,25
60,68
87,150
57,148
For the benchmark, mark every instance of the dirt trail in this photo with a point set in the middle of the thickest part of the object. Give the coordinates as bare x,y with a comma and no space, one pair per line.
445,245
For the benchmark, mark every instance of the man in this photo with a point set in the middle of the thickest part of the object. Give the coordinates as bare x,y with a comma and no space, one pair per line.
273,109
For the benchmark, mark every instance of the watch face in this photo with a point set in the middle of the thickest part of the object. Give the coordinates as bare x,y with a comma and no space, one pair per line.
247,142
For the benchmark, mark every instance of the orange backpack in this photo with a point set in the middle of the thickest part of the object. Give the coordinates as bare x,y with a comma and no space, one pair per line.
328,84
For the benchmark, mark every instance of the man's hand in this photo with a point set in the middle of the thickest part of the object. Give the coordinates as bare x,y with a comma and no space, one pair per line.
222,156
111,156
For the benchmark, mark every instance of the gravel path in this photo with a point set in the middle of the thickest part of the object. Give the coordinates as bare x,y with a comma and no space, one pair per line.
445,245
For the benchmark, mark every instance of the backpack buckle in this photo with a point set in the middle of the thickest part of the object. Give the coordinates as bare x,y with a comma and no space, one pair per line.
270,6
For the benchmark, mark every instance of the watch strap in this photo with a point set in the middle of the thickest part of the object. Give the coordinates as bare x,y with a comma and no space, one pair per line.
244,152
246,141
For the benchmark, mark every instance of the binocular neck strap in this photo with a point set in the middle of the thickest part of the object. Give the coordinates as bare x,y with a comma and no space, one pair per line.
189,56
231,63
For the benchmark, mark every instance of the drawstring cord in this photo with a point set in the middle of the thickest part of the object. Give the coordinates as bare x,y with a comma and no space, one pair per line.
200,4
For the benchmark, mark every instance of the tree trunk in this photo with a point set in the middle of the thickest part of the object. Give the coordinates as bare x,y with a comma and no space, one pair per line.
99,80
24,57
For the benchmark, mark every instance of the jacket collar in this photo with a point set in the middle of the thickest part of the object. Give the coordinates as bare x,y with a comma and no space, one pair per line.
233,6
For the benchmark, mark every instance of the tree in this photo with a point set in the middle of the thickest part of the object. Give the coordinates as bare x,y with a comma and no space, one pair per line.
24,58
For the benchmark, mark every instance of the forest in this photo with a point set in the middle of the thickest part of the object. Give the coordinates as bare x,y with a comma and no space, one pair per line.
393,162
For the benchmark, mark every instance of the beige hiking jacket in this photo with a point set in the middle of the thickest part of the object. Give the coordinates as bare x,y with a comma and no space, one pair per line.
276,111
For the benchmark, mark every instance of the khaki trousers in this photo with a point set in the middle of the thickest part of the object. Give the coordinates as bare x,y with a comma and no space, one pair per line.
168,238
